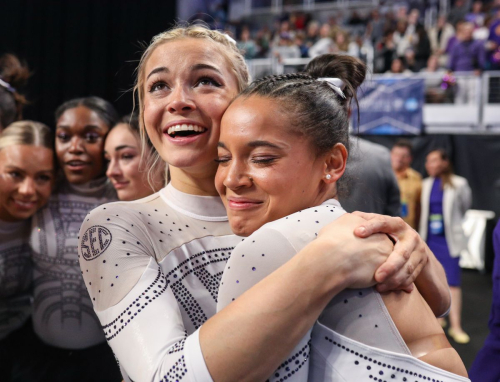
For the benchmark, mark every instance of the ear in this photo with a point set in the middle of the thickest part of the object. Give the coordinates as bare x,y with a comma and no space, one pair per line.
335,162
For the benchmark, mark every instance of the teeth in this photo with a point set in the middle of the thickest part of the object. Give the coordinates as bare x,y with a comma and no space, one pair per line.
185,127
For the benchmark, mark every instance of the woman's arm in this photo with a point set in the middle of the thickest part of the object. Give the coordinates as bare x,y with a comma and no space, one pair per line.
411,261
248,339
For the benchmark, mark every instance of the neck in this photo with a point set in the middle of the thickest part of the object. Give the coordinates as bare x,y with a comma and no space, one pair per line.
401,172
197,181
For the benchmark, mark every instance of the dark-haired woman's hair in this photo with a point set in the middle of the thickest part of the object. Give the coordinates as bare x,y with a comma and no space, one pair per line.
315,110
150,161
448,171
13,74
103,108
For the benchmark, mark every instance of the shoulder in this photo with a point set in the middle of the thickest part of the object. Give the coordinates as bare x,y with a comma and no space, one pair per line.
459,181
414,175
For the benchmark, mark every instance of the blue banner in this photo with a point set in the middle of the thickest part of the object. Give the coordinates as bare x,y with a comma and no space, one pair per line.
391,106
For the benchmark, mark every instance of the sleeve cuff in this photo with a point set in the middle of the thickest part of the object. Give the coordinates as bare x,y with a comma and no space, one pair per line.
195,362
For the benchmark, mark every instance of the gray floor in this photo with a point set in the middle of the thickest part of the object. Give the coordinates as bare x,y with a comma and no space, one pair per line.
477,294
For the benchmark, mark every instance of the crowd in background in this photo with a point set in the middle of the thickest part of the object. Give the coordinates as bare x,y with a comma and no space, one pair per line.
400,40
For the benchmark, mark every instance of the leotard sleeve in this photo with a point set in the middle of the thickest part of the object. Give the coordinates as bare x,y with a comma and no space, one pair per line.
252,260
137,309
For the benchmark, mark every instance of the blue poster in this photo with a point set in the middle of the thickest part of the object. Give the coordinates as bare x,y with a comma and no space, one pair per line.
390,106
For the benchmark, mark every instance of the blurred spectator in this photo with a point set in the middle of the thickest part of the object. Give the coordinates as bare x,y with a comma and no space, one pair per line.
409,182
398,66
458,12
437,90
467,55
300,42
312,35
422,48
476,16
376,26
247,45
263,41
13,74
286,48
401,38
342,44
493,43
324,44
386,52
439,36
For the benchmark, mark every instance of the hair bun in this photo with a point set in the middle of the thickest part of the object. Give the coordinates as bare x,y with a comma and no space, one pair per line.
13,71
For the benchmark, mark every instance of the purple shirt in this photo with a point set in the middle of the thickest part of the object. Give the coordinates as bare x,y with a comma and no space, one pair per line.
467,56
486,367
495,32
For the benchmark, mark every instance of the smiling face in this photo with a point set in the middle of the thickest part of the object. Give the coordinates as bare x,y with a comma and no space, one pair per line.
26,180
123,153
189,84
266,171
80,137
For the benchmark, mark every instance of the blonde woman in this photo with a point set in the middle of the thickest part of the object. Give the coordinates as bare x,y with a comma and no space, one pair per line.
155,275
26,181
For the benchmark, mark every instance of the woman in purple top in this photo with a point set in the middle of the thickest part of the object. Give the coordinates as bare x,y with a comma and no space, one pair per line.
486,367
445,199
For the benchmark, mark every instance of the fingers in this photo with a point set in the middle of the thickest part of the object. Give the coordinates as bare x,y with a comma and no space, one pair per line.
400,274
381,224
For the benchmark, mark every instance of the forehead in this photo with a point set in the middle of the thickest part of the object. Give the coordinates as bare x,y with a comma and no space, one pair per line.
247,116
120,135
27,157
80,116
180,55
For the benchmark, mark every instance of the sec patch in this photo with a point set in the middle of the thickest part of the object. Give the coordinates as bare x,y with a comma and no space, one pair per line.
95,241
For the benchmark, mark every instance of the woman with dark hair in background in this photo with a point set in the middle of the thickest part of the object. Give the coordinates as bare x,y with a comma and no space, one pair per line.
26,181
445,199
63,317
129,160
13,74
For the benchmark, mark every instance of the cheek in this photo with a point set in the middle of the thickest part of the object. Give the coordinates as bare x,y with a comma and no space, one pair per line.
219,180
131,171
44,193
60,149
96,151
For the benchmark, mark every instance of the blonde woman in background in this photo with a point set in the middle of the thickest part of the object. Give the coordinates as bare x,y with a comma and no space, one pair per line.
129,162
26,181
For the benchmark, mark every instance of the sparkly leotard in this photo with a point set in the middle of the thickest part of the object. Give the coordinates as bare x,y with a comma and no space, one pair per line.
355,338
62,312
15,276
152,268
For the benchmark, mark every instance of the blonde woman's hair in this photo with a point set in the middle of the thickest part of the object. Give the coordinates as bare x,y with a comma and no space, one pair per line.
28,133
227,47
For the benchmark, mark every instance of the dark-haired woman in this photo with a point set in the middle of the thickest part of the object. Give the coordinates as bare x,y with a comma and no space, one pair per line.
445,199
26,181
154,287
13,74
282,150
62,315
128,162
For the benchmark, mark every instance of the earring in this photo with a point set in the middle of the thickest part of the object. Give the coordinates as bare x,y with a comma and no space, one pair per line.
328,176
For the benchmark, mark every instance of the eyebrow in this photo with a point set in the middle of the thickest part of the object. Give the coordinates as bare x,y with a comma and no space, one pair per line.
255,144
158,70
121,147
86,127
205,66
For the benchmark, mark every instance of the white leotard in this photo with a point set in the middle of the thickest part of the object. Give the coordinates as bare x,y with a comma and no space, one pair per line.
15,275
62,311
356,316
152,268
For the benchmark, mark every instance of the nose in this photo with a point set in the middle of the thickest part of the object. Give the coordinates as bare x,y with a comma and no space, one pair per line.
76,145
180,101
27,187
113,170
236,176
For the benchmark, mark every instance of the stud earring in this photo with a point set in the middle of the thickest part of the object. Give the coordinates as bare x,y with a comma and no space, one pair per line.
328,176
